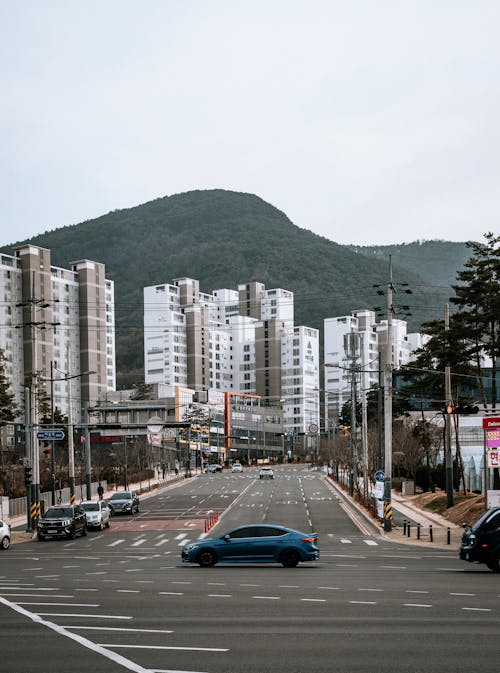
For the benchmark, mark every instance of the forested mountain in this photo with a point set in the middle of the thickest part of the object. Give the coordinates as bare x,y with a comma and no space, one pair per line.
224,238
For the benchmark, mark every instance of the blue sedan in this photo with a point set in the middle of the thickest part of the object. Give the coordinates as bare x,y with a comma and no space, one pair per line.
263,543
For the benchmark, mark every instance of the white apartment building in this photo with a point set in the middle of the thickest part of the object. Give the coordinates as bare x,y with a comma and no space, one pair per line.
231,340
300,379
357,342
57,329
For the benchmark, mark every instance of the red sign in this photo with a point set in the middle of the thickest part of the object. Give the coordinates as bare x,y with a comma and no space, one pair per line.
491,423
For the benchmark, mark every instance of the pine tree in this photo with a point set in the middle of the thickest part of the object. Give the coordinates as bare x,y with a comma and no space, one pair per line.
478,299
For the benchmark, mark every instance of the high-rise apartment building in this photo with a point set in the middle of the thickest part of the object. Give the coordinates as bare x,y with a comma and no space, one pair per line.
241,340
355,346
57,323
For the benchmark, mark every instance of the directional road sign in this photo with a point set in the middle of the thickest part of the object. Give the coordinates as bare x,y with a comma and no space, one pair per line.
50,435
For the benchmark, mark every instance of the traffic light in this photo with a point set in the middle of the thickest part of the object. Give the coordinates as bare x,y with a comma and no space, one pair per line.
27,476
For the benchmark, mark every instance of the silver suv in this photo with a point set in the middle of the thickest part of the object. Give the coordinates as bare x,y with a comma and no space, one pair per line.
97,513
4,535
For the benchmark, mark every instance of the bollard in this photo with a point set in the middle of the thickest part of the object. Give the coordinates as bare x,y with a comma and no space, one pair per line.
448,536
408,529
430,533
404,526
418,531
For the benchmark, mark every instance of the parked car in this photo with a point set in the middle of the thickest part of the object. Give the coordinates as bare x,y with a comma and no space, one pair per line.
214,467
236,467
62,521
4,535
266,473
97,513
481,541
263,543
123,502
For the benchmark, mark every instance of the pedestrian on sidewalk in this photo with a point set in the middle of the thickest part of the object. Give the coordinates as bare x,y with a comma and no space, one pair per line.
100,491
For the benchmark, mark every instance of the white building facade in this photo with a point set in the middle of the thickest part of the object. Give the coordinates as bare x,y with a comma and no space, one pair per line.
241,340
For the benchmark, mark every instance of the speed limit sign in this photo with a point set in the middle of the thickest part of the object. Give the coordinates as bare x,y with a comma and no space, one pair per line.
313,429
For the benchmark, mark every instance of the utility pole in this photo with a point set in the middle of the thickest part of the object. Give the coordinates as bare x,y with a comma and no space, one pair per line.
364,421
388,409
71,443
351,347
448,458
88,462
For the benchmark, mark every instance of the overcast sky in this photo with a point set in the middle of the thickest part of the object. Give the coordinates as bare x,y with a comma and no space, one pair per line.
367,122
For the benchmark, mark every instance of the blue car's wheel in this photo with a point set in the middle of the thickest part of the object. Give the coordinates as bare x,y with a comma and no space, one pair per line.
207,558
289,558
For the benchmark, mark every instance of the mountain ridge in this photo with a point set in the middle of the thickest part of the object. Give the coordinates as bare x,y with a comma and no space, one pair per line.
223,238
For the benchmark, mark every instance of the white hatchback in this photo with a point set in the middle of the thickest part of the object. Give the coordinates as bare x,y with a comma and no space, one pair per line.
236,467
4,535
97,513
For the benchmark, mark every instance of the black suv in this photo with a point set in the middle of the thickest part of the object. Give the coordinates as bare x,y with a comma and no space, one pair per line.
481,542
63,521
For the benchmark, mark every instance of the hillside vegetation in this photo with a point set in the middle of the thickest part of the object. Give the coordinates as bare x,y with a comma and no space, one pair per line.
224,238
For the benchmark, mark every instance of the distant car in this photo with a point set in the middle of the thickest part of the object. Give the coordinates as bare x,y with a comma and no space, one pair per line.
4,535
262,543
123,502
266,473
481,541
97,513
237,467
62,521
214,467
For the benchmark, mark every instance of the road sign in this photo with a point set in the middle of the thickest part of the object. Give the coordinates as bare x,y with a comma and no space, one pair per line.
379,475
313,429
50,435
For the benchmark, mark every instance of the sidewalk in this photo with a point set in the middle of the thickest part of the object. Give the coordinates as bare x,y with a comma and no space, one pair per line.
410,524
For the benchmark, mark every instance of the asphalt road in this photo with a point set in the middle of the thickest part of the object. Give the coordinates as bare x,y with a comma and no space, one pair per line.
122,600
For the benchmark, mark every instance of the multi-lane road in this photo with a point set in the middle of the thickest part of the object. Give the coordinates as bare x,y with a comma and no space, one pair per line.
122,600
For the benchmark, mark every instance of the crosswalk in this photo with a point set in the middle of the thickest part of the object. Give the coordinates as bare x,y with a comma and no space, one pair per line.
181,538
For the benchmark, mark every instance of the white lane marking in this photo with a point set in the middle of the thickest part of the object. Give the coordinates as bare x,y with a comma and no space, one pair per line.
158,544
165,647
416,591
288,586
76,614
182,543
113,656
346,565
128,591
314,600
345,541
249,585
117,628
184,582
139,542
371,543
330,588
180,536
170,593
478,609
363,602
113,544
268,598
394,567
460,594
417,605
220,595
35,595
67,605
362,589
